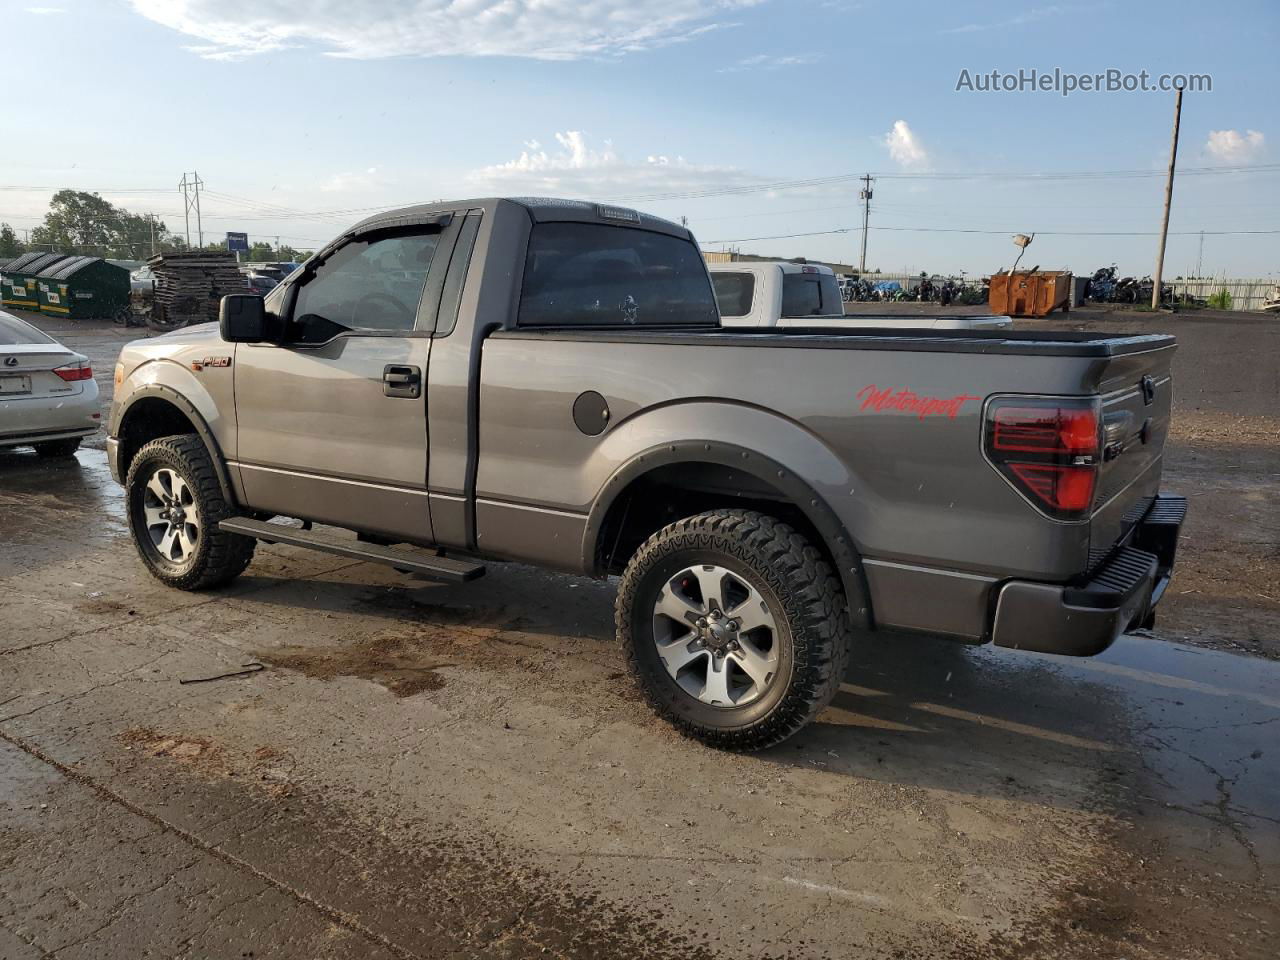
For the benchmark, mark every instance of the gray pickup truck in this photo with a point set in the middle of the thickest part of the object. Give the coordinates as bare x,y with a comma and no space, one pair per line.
545,381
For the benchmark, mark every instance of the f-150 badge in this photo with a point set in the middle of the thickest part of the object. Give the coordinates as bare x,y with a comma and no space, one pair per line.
210,362
905,399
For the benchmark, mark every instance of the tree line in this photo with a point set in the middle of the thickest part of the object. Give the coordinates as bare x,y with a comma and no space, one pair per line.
84,223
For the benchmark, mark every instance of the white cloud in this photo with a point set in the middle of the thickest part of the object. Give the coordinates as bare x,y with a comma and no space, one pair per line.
45,11
767,61
905,148
369,29
1027,16
1234,147
353,182
578,169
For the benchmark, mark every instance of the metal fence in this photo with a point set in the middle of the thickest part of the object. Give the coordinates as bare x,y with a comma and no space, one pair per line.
1245,294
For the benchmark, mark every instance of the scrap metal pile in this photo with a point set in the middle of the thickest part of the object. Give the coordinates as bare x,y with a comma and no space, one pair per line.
190,286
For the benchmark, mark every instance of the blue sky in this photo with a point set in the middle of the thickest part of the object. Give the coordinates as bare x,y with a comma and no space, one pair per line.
298,115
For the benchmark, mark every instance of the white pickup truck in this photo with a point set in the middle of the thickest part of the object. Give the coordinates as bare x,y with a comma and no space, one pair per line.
778,293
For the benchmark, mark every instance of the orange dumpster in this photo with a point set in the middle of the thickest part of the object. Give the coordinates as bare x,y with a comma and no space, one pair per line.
1028,293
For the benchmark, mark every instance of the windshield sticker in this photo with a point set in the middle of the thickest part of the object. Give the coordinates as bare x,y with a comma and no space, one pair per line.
903,398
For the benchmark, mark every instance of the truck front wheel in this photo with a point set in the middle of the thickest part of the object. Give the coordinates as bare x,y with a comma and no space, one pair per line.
735,628
174,506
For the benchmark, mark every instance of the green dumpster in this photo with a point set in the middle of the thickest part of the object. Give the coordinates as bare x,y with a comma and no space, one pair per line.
82,288
18,282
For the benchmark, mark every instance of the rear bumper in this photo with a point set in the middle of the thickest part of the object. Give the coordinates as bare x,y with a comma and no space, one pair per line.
26,420
42,436
1122,594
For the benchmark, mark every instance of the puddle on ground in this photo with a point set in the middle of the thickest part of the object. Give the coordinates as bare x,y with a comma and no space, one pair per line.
54,508
396,662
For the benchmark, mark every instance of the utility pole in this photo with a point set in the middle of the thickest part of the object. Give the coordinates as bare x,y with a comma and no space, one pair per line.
866,217
1168,201
186,207
153,235
278,257
191,199
1200,257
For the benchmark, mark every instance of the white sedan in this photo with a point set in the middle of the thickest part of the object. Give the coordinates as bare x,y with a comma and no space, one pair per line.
48,397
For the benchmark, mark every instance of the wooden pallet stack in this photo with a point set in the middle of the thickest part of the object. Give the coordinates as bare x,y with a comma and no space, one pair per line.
190,286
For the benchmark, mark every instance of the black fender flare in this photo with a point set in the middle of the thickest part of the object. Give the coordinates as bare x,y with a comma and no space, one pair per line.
836,538
160,391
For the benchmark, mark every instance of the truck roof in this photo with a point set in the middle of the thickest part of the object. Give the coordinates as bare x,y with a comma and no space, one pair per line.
787,266
540,210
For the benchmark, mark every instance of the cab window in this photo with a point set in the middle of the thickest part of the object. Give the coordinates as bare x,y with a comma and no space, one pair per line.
372,284
811,295
734,292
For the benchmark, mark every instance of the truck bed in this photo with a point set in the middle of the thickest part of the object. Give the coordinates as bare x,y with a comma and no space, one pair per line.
1040,343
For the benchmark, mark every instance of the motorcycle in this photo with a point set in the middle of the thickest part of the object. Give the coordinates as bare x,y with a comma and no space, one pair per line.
925,291
1101,286
1126,290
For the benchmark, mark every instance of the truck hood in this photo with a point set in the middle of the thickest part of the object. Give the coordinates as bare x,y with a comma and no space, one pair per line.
196,333
177,345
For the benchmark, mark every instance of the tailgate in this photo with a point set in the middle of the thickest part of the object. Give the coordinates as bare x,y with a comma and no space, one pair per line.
1137,394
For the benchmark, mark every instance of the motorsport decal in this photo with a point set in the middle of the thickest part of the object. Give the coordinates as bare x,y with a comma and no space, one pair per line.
903,398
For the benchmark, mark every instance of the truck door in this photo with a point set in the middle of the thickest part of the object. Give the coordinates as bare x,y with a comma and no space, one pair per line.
331,423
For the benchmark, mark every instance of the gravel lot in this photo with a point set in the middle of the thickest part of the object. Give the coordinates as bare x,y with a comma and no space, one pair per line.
463,771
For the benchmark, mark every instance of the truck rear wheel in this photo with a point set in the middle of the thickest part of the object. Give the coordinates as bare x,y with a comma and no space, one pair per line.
174,505
735,628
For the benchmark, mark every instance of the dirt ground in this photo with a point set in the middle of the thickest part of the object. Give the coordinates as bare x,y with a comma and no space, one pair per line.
362,765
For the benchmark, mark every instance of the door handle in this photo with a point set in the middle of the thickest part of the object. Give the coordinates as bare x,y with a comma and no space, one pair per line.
401,381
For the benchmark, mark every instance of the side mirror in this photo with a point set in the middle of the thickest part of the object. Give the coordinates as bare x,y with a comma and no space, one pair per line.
242,318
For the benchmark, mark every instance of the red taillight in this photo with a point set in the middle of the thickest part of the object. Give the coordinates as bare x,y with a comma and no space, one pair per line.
1049,450
75,371
1069,489
1045,430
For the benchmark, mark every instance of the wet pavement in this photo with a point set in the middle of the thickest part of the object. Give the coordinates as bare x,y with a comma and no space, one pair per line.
464,771
515,799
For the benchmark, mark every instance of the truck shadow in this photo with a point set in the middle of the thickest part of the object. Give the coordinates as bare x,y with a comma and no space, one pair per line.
918,711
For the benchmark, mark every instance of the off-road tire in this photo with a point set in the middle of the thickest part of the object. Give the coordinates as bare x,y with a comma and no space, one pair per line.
219,557
57,448
804,595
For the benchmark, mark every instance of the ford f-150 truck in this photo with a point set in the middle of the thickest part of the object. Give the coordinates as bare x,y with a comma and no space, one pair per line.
779,293
546,381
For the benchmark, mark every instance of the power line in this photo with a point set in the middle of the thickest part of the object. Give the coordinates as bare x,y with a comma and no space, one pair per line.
756,187
1034,177
1004,233
785,236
